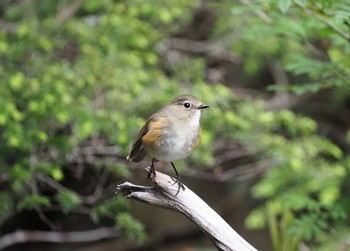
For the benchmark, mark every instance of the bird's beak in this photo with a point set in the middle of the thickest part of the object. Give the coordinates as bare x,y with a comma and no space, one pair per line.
202,107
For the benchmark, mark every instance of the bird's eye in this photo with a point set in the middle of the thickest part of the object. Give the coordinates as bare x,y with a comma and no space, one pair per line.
187,105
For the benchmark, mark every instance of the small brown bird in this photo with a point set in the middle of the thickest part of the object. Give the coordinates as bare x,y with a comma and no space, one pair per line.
170,134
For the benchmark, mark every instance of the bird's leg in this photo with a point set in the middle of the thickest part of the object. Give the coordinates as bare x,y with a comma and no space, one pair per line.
177,179
152,171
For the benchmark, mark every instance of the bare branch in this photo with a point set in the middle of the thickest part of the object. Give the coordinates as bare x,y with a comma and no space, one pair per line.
99,192
93,154
21,236
263,16
344,246
163,194
49,181
209,48
232,155
68,12
282,97
39,210
246,171
99,189
7,27
45,219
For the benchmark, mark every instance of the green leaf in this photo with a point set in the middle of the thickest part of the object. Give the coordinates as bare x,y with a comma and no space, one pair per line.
57,173
68,200
256,219
111,207
17,81
284,5
301,2
120,170
133,228
6,205
33,201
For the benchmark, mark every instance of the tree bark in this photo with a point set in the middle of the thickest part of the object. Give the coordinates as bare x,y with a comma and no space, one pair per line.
164,194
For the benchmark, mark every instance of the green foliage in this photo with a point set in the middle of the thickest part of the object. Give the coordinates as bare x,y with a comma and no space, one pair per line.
331,242
68,200
306,181
33,201
307,171
282,237
296,43
109,208
304,191
53,171
120,170
132,228
66,82
6,205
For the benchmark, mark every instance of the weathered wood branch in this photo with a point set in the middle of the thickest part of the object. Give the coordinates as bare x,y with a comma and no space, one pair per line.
163,194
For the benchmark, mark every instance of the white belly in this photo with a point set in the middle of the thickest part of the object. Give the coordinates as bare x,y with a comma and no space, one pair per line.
175,145
173,148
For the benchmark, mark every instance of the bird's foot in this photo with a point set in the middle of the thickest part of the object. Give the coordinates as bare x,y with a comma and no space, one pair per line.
180,185
151,173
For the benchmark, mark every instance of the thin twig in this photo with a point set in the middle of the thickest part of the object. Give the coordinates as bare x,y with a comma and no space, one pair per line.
281,97
325,21
231,155
99,193
99,189
78,210
258,13
49,181
248,170
344,246
10,28
41,214
68,12
241,172
91,154
45,219
208,48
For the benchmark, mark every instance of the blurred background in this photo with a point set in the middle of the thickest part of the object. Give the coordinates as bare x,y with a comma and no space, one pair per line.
80,77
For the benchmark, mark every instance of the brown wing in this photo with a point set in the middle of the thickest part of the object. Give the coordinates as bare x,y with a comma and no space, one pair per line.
137,152
149,134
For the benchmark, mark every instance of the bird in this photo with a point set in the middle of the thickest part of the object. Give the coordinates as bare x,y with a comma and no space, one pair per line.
171,133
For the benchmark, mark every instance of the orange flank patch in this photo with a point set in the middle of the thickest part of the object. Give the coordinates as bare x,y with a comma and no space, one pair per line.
153,134
198,140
